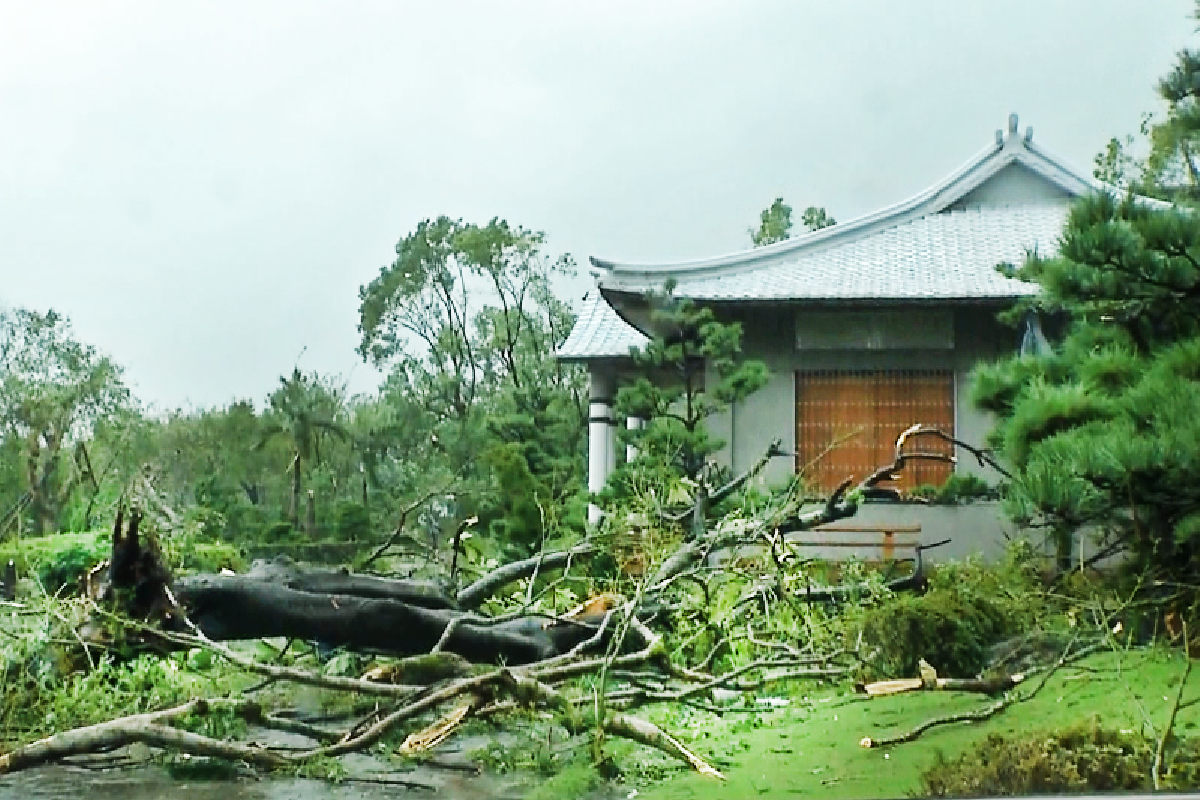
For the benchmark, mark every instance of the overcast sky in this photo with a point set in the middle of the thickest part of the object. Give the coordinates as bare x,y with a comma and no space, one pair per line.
202,187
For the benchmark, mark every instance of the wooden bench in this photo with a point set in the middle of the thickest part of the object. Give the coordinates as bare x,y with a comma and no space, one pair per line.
886,538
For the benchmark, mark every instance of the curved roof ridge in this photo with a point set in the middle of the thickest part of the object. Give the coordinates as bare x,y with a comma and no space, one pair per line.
806,240
1003,151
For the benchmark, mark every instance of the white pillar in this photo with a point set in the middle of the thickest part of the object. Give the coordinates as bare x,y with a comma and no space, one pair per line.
601,436
633,424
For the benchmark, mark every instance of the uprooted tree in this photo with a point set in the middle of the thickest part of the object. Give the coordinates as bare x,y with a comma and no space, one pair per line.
447,647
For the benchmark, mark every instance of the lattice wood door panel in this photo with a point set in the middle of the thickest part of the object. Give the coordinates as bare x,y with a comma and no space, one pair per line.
866,411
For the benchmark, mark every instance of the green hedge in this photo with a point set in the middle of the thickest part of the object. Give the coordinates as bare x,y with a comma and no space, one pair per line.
60,559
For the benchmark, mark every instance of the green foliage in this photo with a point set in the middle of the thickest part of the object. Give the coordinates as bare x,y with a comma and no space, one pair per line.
690,370
353,521
774,225
59,560
775,222
219,721
206,557
322,768
40,697
815,218
947,630
1103,431
1161,161
966,609
1083,758
278,532
958,488
64,569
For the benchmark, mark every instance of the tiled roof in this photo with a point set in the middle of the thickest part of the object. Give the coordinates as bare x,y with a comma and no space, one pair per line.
941,245
947,256
599,333
919,248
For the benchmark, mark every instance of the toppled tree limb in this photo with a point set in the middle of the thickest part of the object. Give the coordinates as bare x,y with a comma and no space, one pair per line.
774,450
439,731
474,595
647,733
981,685
616,723
987,711
144,728
915,580
401,526
301,676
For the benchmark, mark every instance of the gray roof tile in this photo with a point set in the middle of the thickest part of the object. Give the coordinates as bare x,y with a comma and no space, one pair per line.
599,333
946,256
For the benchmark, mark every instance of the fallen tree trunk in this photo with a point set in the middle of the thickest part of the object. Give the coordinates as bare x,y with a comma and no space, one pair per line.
239,607
231,607
422,593
363,613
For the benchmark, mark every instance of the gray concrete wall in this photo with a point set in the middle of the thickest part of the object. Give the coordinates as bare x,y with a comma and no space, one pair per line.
769,333
977,530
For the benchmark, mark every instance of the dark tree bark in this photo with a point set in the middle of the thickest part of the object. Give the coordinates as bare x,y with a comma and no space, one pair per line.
227,607
8,585
425,594
237,607
360,612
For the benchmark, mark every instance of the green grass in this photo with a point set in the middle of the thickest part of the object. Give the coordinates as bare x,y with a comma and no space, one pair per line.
812,749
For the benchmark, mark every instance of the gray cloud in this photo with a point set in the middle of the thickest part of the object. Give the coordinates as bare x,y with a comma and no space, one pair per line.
203,188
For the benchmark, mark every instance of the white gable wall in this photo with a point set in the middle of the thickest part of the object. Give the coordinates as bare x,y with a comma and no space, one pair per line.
1014,184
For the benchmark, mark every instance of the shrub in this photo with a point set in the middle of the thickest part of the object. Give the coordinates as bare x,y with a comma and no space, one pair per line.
352,521
940,626
277,532
63,569
957,489
210,557
965,610
1085,758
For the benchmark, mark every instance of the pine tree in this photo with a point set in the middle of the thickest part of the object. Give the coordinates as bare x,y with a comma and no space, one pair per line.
691,370
1103,433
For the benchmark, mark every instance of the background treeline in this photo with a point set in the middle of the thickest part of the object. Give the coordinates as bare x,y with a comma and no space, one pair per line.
475,416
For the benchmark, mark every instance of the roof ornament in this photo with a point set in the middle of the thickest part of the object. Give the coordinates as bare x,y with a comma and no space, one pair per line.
1033,341
1012,124
1029,134
999,137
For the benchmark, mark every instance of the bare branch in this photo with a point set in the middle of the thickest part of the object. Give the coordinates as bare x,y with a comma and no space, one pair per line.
474,595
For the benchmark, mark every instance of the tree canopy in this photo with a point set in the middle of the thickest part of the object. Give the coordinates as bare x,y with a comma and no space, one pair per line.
1161,161
1103,431
775,222
467,321
692,369
53,390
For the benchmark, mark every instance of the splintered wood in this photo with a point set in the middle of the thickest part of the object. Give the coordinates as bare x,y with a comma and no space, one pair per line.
438,732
